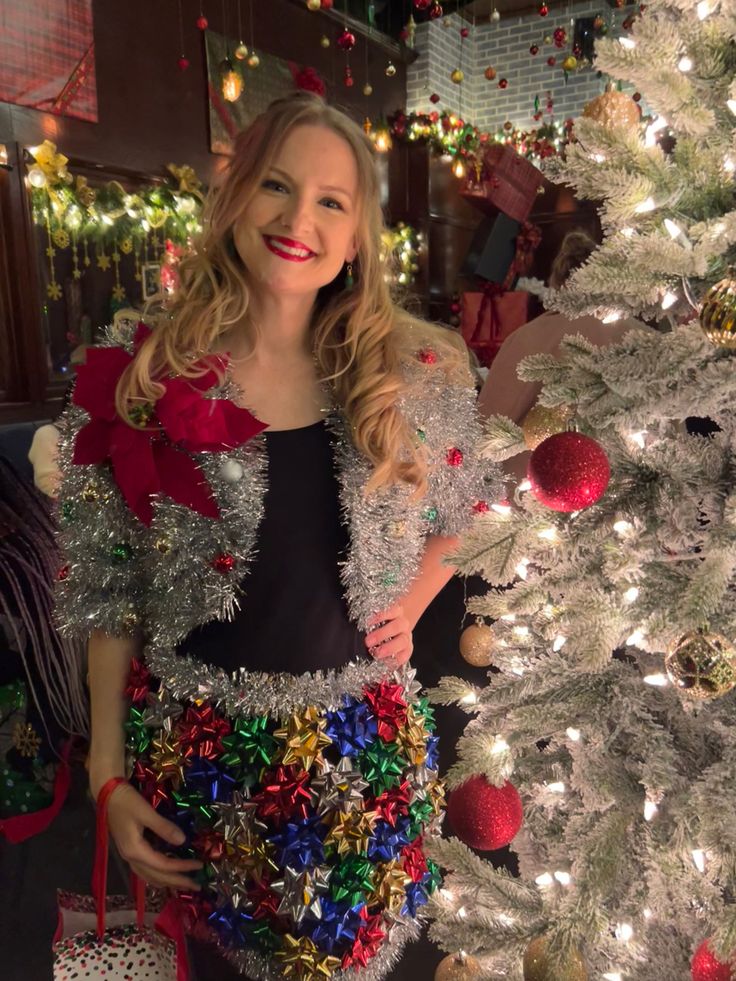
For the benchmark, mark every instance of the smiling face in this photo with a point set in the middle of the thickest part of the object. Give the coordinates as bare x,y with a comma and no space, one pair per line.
300,226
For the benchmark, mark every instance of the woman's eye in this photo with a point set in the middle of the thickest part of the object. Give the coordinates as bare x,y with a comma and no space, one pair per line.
333,204
273,185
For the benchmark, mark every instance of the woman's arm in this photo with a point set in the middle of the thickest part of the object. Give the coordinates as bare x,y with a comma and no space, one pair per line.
109,666
394,638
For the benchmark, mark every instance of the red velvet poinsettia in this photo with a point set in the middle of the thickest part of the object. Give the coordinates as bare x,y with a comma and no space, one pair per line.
154,458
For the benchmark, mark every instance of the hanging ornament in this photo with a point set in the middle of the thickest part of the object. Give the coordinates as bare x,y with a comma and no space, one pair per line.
538,966
410,32
613,109
541,422
231,81
324,41
241,51
457,76
702,665
534,49
314,5
568,472
503,83
570,63
464,32
459,170
253,60
327,5
543,10
559,36
367,89
183,63
551,61
390,69
476,645
495,16
457,967
705,966
347,77
484,816
490,73
202,23
435,11
434,98
547,39
421,4
346,40
718,314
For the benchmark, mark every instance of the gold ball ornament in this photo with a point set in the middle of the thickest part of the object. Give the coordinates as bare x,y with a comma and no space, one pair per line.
314,4
457,967
324,41
390,69
538,966
241,52
476,645
541,422
718,314
457,76
253,60
367,89
613,109
570,63
702,665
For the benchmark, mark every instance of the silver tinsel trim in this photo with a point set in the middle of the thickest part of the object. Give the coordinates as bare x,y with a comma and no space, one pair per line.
260,692
260,968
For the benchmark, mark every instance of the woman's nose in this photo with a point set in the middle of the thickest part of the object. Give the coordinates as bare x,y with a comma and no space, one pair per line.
297,216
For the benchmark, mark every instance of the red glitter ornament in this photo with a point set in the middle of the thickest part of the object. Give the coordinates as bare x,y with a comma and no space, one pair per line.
636,96
543,10
454,457
139,681
183,64
534,49
346,40
568,472
481,507
202,23
223,563
484,816
705,966
427,356
560,37
435,11
434,98
503,83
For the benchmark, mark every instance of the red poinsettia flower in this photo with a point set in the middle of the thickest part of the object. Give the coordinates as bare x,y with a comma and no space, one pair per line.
154,458
308,79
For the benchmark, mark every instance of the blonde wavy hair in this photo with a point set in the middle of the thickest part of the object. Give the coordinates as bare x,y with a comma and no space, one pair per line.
359,335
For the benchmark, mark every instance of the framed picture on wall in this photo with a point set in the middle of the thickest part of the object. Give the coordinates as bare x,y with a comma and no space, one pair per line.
150,279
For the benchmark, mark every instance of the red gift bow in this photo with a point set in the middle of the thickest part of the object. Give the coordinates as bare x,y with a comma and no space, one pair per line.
155,459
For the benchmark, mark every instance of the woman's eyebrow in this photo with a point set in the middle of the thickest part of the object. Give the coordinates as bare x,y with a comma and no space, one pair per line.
323,187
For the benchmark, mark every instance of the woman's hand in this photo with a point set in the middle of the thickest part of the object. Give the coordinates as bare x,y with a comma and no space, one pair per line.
128,816
393,638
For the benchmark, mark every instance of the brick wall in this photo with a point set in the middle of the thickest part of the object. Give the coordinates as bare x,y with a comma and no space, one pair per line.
505,46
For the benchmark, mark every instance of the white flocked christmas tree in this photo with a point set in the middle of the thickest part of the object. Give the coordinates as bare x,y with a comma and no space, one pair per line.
610,613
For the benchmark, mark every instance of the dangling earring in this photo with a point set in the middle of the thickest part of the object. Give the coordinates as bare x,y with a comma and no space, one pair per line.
349,281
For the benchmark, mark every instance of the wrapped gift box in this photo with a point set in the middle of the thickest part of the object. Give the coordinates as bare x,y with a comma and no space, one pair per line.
507,183
489,316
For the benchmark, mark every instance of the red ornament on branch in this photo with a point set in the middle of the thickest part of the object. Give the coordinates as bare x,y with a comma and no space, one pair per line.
484,816
705,966
568,472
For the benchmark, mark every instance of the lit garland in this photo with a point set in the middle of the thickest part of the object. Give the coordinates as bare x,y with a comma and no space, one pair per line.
74,213
400,248
448,134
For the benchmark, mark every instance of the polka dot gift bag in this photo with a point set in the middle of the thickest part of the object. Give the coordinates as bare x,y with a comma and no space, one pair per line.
112,937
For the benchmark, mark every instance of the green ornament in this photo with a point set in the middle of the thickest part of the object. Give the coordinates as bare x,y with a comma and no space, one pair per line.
249,744
352,880
426,711
430,514
435,877
121,552
382,765
421,436
68,510
139,734
389,579
420,813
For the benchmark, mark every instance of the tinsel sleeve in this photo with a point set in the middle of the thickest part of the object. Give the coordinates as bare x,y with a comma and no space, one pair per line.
102,580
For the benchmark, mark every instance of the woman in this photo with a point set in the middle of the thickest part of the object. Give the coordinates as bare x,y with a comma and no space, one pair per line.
242,573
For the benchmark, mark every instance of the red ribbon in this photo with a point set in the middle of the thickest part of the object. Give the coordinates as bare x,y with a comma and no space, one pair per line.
99,871
527,242
491,291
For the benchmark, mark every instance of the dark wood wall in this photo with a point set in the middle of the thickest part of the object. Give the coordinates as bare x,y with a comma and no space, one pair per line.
150,114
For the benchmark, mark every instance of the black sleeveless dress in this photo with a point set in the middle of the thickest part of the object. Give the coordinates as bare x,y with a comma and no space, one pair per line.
293,617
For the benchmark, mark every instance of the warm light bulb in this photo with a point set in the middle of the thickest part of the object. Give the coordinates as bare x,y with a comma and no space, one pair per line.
611,318
656,680
650,809
699,859
624,932
573,734
646,205
705,8
525,485
550,534
672,227
731,103
633,640
383,141
668,300
36,177
631,594
501,508
545,879
685,64
564,878
499,746
622,527
559,643
231,82
556,788
627,42
470,699
458,168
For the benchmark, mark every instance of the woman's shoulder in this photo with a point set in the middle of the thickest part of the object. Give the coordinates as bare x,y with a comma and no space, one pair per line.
433,346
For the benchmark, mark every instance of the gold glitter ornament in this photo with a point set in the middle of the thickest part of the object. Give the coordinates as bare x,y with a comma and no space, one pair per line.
718,314
538,966
570,63
613,109
542,421
305,738
61,238
457,76
162,545
324,41
90,492
457,967
702,665
477,643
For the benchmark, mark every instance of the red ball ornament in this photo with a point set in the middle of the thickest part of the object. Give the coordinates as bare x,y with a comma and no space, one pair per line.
490,73
223,563
435,11
454,457
183,64
346,40
705,966
202,23
503,83
551,61
636,96
347,78
568,472
434,98
543,10
484,816
464,32
326,4
421,4
427,356
481,507
560,37
534,49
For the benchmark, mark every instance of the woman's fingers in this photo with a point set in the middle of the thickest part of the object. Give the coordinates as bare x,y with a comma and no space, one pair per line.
156,878
141,851
390,614
388,631
399,648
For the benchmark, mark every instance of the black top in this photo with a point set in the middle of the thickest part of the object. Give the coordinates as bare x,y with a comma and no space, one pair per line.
293,616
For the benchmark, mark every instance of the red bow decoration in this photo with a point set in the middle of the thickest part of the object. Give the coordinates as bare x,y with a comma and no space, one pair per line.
154,459
308,79
388,707
367,941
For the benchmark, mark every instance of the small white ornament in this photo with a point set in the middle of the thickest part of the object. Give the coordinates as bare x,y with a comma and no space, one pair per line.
231,471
